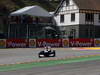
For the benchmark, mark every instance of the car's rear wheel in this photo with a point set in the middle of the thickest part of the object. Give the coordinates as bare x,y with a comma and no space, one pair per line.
53,54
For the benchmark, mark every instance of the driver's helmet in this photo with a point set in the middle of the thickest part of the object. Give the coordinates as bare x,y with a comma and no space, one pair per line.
49,48
45,48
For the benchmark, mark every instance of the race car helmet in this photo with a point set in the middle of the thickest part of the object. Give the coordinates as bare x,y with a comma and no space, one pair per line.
49,48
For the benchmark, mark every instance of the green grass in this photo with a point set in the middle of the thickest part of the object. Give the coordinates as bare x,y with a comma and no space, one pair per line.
48,63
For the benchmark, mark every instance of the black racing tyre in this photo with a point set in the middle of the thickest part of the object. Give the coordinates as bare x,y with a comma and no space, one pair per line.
40,56
54,54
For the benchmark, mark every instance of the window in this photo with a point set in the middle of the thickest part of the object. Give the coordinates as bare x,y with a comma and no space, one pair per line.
73,17
67,2
89,17
62,18
99,17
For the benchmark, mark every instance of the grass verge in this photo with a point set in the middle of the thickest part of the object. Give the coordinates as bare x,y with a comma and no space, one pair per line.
47,63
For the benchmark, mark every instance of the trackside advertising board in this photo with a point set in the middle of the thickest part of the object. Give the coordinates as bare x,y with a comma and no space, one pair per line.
2,43
81,42
17,43
32,43
49,42
65,43
97,42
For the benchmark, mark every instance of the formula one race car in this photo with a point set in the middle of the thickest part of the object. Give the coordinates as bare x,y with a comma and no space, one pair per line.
47,53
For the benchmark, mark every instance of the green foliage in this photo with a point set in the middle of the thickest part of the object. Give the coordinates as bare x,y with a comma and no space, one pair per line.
8,6
12,5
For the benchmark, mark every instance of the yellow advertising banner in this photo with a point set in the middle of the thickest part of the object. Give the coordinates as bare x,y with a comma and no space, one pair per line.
2,43
97,42
65,42
32,43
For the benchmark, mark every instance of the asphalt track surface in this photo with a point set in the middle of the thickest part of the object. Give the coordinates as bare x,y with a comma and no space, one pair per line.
11,56
17,55
80,68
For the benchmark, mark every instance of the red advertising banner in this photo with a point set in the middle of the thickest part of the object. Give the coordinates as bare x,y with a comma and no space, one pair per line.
16,43
81,42
49,42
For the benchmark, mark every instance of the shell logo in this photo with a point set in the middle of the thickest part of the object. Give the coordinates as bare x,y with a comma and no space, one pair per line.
97,41
65,42
2,43
32,42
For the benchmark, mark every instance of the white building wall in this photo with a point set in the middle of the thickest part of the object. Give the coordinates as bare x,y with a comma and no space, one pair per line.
67,10
57,19
82,18
68,19
96,20
79,17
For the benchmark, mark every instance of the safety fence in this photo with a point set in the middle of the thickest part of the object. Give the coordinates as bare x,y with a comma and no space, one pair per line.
36,43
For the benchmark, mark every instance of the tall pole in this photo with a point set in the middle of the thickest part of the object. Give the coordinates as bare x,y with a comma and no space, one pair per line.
8,26
8,30
27,36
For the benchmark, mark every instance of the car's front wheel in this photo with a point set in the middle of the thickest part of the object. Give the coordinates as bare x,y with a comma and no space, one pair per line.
41,56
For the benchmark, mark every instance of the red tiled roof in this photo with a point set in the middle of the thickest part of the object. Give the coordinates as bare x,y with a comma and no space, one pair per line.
88,4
